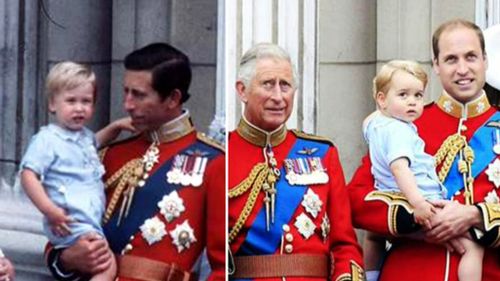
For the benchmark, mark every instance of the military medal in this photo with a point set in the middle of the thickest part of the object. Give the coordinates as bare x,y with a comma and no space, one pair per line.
153,230
305,171
171,206
493,172
174,175
199,170
312,203
305,225
492,197
188,169
183,236
325,227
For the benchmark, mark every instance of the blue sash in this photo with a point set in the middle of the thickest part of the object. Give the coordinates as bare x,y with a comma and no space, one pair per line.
259,241
482,143
144,204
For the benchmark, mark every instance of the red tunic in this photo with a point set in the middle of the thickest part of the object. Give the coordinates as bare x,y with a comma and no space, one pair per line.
204,208
415,260
341,242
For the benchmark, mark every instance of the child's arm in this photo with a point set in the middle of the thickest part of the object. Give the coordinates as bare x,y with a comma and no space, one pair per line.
406,181
110,132
56,216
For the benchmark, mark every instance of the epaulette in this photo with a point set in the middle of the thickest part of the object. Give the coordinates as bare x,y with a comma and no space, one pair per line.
307,136
203,138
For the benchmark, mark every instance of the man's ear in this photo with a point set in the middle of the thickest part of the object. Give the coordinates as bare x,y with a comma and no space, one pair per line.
435,65
240,89
174,99
380,100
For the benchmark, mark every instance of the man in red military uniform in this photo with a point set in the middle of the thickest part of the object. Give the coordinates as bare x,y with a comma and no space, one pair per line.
289,215
165,187
459,122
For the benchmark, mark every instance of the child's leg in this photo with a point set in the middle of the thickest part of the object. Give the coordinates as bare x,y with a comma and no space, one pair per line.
470,267
108,274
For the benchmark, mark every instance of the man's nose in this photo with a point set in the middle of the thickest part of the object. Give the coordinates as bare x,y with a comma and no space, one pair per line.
462,67
277,92
128,103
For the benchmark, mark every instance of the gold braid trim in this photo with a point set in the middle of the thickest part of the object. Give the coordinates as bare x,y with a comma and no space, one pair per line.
447,153
243,186
125,175
102,153
357,273
255,180
491,215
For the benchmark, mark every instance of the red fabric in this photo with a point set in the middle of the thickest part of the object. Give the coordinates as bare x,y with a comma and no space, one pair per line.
418,260
204,208
341,243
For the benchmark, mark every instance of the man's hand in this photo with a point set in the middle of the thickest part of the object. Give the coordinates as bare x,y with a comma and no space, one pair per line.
6,270
90,255
452,219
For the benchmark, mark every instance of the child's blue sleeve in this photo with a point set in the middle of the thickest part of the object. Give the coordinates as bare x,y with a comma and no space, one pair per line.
39,154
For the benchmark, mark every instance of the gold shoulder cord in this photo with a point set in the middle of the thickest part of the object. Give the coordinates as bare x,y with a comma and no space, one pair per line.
125,176
129,177
262,177
255,180
453,145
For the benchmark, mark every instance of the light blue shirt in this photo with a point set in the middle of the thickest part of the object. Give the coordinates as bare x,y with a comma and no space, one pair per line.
389,139
70,171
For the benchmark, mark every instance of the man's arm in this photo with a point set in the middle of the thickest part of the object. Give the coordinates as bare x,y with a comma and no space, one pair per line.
88,256
346,252
215,217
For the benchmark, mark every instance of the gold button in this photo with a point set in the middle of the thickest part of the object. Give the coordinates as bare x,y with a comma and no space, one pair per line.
286,228
288,248
289,237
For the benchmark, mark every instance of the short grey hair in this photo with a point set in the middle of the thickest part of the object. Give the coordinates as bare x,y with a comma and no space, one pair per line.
262,51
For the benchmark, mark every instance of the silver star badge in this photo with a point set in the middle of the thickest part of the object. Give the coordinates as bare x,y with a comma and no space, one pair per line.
171,206
493,172
312,203
305,225
183,236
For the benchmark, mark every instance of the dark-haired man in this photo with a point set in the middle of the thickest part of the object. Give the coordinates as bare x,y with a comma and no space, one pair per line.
165,187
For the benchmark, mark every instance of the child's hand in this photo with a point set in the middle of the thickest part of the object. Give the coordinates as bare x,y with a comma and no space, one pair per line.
124,124
423,211
59,221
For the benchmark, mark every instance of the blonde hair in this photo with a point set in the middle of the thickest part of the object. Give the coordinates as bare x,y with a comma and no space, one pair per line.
68,75
382,80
